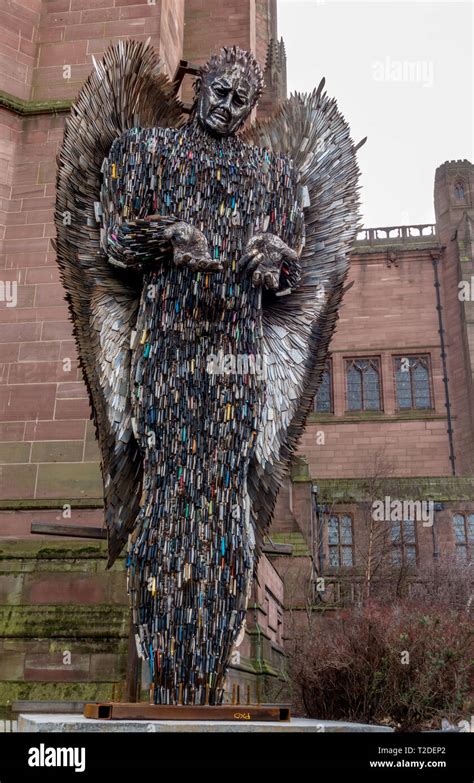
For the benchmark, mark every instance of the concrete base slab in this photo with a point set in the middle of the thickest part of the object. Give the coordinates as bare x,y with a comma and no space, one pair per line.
77,723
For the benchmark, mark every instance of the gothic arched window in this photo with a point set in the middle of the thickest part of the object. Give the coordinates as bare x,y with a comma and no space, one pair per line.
460,191
363,385
463,525
403,542
323,402
412,379
340,540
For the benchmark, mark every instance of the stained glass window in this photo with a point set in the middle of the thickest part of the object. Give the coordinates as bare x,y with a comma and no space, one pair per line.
323,401
463,525
340,541
403,542
363,384
412,377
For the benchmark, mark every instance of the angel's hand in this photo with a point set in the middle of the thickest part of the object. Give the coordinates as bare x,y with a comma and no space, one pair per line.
140,243
190,248
269,260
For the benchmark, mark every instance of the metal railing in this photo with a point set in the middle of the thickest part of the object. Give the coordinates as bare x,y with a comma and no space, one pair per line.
389,234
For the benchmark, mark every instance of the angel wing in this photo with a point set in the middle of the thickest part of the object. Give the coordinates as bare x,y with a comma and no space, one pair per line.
126,89
298,328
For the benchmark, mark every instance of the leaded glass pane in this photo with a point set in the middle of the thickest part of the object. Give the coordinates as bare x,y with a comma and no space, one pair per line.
346,530
396,556
403,387
395,533
421,383
346,555
333,530
333,556
410,554
459,529
409,532
371,390
354,389
323,397
470,528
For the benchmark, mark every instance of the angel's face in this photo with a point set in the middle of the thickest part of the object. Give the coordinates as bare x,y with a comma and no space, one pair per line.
224,102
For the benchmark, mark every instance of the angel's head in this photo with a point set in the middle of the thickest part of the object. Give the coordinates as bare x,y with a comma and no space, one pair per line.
227,89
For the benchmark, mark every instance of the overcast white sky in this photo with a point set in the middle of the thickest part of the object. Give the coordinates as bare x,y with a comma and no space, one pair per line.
402,73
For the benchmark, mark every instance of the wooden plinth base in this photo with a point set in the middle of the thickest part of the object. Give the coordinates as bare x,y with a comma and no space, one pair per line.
233,712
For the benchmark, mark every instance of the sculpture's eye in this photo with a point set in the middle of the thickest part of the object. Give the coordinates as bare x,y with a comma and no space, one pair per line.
221,92
238,100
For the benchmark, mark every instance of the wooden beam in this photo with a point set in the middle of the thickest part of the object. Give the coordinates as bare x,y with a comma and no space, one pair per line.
228,712
184,67
75,531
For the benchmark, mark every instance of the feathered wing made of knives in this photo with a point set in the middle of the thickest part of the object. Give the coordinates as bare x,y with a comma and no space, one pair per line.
203,268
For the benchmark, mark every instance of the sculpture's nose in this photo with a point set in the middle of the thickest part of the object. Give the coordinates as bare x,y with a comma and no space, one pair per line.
226,102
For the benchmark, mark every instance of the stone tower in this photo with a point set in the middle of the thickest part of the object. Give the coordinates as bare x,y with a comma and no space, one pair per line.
453,197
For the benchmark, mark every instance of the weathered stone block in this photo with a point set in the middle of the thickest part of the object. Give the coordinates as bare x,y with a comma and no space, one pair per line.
107,667
73,480
57,451
12,666
11,587
54,667
64,588
14,452
17,481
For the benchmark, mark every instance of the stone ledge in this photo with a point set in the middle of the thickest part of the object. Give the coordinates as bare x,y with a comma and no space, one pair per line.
77,723
30,108
49,504
436,488
366,417
51,549
361,248
294,540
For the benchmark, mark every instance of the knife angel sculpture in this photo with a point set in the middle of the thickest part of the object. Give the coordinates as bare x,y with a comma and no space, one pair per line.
203,267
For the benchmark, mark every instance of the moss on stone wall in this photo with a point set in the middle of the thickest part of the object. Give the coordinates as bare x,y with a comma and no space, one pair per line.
64,621
438,489
29,108
35,631
296,540
53,691
38,549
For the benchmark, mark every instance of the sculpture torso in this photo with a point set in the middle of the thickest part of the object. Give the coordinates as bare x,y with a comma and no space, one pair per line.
197,428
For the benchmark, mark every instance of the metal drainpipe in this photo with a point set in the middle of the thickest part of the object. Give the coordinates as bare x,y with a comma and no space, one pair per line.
439,308
317,553
313,517
434,531
259,654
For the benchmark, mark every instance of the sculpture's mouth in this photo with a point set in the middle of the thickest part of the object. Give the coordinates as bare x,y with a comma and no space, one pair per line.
220,117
